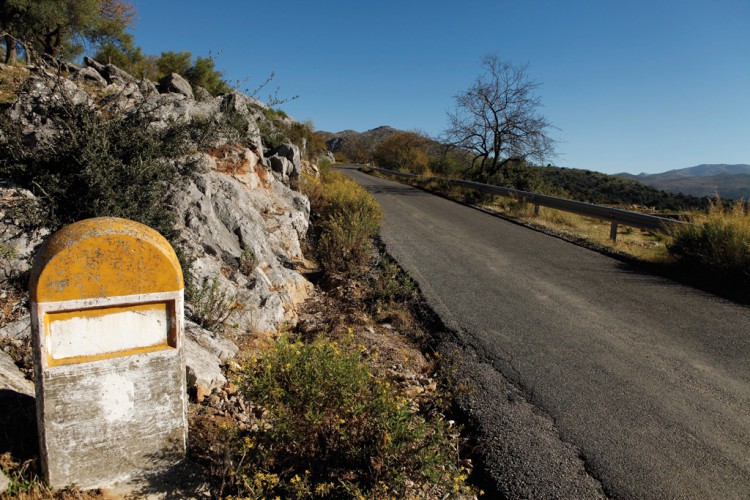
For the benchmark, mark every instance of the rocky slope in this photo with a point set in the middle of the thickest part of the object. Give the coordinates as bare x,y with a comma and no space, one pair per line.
340,141
241,221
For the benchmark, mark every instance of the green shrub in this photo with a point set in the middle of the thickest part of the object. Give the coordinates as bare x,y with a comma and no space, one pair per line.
274,114
99,165
717,246
335,430
346,219
23,480
324,166
271,134
212,305
248,261
391,285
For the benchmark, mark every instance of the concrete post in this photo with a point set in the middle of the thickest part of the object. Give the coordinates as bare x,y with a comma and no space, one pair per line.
107,317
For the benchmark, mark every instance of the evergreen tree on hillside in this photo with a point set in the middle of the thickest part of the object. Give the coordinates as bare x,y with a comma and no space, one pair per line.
61,28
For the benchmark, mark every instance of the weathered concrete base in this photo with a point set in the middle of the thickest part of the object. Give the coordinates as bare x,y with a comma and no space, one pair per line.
104,421
185,480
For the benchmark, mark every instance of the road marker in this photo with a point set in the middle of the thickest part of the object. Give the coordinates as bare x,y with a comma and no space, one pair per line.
107,298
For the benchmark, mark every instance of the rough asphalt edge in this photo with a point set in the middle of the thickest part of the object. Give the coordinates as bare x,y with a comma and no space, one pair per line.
518,448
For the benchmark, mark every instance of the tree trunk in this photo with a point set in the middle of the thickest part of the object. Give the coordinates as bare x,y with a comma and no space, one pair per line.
52,41
10,50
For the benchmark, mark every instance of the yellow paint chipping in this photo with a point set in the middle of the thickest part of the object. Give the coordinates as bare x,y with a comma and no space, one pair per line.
104,257
86,359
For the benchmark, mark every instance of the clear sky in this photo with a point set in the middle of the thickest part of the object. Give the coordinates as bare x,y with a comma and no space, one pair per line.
631,85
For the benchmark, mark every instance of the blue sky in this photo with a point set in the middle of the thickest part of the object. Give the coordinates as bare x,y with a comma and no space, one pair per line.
631,85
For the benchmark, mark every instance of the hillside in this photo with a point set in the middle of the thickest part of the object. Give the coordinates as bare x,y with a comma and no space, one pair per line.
595,187
340,140
728,181
576,184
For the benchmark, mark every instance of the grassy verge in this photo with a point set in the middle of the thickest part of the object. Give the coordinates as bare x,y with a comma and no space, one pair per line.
715,249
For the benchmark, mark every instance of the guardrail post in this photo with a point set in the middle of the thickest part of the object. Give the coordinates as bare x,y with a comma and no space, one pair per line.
613,231
536,209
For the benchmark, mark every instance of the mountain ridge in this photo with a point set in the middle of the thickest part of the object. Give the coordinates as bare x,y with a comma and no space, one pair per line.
729,181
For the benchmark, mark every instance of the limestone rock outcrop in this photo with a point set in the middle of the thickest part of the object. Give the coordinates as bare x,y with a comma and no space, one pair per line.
177,84
240,225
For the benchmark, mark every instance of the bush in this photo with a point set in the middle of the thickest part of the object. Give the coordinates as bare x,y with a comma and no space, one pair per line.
212,305
346,219
335,430
718,246
99,165
391,285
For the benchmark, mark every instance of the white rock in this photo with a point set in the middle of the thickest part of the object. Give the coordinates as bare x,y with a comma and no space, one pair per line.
17,330
89,75
12,378
4,483
223,348
203,369
224,216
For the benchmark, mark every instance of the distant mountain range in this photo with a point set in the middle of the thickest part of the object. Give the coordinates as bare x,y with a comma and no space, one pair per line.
338,141
728,181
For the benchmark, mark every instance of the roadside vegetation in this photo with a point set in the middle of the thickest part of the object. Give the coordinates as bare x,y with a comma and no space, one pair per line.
345,221
351,407
716,248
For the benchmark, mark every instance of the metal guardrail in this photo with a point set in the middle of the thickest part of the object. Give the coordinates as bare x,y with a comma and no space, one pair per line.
614,215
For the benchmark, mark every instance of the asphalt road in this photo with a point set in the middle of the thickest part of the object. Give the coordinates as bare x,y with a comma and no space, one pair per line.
644,381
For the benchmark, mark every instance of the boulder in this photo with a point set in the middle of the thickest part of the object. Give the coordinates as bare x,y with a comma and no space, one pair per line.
17,330
328,156
113,74
147,87
17,244
292,154
122,97
228,215
201,94
176,84
38,97
203,369
92,63
282,166
310,169
249,109
58,64
222,348
90,76
11,378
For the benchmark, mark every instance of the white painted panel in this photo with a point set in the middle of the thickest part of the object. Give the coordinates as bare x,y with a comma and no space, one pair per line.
94,334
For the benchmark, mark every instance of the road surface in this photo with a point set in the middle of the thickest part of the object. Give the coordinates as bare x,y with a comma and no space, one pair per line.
646,380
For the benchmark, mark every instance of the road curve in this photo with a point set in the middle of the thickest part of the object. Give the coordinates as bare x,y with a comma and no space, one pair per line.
647,379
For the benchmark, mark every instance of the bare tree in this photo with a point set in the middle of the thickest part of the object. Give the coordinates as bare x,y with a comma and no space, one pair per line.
497,120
